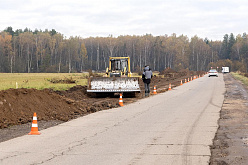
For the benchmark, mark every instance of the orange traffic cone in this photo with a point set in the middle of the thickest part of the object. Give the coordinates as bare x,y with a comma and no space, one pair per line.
194,77
191,79
185,81
34,128
181,82
154,90
120,100
169,87
188,79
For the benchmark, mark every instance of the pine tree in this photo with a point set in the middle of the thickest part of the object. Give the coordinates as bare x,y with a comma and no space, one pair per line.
224,50
231,42
10,31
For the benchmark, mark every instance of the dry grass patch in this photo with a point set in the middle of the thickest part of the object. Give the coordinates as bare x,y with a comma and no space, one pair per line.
42,80
240,77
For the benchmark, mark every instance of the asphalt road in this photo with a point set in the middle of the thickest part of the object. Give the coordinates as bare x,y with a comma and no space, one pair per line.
175,127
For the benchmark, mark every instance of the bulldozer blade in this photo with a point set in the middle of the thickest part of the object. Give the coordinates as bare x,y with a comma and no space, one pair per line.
113,84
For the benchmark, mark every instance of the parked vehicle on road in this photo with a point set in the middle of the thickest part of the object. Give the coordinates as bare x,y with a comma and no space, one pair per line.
225,69
213,72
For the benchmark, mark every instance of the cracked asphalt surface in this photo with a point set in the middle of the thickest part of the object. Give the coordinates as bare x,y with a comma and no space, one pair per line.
175,127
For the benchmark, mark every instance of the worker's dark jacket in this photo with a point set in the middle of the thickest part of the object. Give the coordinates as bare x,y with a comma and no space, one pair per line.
147,75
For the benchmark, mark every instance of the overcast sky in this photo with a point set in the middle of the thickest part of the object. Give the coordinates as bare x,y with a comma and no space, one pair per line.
85,18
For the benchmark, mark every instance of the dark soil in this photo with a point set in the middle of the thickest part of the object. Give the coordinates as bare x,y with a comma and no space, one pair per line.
230,145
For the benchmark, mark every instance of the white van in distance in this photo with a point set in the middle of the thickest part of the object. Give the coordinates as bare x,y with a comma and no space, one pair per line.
225,69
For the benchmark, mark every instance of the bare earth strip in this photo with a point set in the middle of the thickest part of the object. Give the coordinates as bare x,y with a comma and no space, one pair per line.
230,145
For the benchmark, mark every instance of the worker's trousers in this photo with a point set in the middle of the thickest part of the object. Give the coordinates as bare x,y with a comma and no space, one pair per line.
147,89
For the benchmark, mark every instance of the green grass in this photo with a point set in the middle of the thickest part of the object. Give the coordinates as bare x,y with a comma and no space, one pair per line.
240,77
40,80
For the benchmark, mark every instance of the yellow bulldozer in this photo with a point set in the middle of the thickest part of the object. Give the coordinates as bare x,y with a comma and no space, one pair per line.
117,79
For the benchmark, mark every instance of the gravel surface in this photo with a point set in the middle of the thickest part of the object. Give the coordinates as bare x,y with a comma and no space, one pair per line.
230,145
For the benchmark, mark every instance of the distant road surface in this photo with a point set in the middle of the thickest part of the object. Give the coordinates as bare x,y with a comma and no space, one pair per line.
171,128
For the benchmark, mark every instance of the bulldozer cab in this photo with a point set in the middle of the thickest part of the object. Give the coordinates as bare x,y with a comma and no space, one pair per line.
119,67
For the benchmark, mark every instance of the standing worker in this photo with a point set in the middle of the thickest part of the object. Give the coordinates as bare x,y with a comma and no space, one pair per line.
146,77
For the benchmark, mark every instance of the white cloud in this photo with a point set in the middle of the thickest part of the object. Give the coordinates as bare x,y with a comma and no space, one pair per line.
205,18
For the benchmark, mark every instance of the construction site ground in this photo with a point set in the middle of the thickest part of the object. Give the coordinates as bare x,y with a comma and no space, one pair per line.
17,106
54,107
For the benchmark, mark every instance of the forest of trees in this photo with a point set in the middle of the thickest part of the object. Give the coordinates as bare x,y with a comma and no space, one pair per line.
49,51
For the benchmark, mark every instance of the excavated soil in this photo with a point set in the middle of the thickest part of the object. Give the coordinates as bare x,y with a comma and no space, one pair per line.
230,145
17,106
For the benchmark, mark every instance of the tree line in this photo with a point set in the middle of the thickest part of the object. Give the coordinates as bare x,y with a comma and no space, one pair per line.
50,51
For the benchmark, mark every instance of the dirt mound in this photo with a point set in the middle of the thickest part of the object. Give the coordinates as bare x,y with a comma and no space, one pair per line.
18,105
169,73
184,72
77,92
166,71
